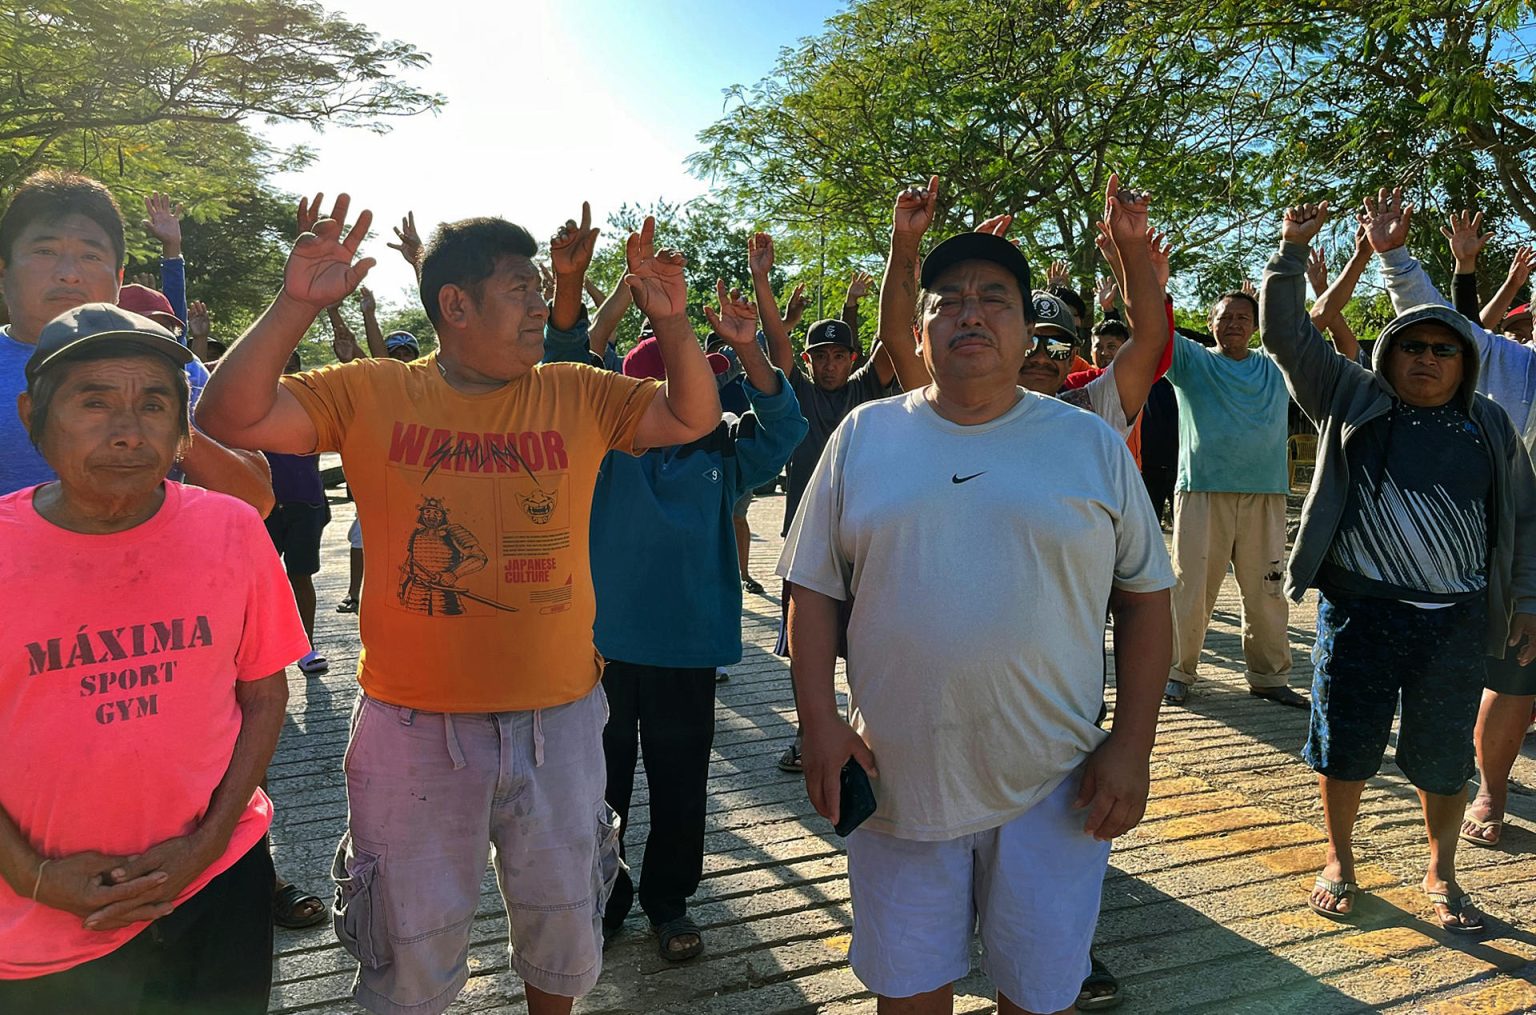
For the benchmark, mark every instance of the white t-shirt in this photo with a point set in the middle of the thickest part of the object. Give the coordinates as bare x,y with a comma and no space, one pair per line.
1101,396
980,560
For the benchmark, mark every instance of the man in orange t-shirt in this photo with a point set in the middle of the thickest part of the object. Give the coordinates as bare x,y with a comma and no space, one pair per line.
481,716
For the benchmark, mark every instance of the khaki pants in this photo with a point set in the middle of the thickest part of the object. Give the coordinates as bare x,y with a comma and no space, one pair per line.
1248,530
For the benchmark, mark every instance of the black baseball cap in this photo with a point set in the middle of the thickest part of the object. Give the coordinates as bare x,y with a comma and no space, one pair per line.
830,332
1052,315
979,247
92,324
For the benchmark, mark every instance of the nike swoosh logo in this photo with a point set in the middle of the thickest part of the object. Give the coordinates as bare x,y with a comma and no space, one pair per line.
958,479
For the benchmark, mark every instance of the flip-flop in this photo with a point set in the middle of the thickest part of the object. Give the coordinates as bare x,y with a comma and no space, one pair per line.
670,931
1100,978
286,902
314,663
347,605
1461,905
1341,890
790,761
1478,829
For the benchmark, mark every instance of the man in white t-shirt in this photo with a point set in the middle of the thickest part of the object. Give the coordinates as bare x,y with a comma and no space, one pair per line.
977,687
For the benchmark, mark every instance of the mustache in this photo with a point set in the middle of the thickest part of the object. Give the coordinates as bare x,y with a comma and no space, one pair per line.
971,333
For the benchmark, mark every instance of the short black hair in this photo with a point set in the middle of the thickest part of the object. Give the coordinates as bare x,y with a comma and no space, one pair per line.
53,194
44,386
465,254
1069,296
1237,294
1111,326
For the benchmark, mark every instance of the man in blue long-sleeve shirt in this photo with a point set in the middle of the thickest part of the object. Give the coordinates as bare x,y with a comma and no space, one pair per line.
669,612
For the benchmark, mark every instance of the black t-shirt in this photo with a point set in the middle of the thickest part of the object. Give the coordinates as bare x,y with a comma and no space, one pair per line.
824,410
1415,526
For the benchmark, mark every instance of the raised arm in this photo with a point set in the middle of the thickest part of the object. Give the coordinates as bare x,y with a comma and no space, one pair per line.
243,404
1492,316
781,351
607,319
371,330
910,219
1142,254
199,327
858,288
343,339
163,220
570,251
689,404
410,245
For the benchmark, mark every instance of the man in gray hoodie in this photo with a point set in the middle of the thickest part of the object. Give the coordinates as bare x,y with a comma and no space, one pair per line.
1419,534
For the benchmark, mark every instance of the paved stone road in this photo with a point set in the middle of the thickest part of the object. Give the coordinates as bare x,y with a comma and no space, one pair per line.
1203,908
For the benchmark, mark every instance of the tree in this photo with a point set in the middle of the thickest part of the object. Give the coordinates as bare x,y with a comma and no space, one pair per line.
95,82
1017,106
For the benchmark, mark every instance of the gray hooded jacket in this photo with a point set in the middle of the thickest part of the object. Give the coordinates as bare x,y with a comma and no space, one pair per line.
1340,396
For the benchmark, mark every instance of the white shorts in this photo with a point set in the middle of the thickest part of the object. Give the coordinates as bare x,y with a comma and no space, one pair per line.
1034,884
355,535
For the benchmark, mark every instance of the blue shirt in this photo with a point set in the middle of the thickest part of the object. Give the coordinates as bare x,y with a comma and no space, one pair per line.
1232,420
663,545
20,463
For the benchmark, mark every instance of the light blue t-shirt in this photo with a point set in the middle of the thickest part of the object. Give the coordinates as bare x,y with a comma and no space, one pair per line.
1232,420
20,464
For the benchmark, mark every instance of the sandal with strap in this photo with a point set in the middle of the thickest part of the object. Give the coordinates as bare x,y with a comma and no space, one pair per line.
1476,832
1456,909
347,605
1341,890
790,761
668,932
288,900
1090,997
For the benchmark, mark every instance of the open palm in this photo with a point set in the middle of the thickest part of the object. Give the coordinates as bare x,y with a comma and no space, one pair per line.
655,276
320,270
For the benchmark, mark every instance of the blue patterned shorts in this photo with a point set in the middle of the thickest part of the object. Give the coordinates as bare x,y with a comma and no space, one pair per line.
1372,652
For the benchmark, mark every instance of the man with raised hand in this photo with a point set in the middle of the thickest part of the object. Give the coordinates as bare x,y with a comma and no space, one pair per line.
480,721
1506,373
977,690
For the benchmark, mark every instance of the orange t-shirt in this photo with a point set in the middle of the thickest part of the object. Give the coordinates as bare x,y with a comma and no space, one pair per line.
477,591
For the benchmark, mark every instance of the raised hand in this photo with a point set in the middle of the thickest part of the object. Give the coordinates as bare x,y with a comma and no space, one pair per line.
794,309
1302,222
410,245
1466,244
655,277
1060,274
1387,220
344,340
1159,247
320,269
760,255
1105,292
1520,267
546,281
199,324
570,249
365,300
1249,289
146,279
997,225
736,320
1317,270
915,209
1126,212
164,223
860,286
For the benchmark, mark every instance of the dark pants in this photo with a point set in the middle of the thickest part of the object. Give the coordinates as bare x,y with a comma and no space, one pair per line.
1160,480
212,956
671,714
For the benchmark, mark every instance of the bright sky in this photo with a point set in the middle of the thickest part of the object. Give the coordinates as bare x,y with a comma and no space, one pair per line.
549,103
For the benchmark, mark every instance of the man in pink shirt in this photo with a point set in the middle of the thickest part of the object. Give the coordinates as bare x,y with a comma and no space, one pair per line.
142,690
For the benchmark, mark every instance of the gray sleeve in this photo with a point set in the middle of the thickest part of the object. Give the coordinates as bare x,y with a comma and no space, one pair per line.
1409,286
812,554
1313,369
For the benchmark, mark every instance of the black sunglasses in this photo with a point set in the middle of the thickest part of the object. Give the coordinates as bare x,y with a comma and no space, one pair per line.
1055,348
1442,350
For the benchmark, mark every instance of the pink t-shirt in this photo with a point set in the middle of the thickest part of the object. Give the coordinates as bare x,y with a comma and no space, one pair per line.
118,661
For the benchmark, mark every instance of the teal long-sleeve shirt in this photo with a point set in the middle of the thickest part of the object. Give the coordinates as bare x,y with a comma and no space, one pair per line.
663,545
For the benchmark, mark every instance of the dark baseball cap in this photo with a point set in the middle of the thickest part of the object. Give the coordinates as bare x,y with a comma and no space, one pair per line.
830,332
92,324
978,247
1052,315
401,340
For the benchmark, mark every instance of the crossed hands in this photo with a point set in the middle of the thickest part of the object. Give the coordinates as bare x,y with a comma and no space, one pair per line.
109,892
655,277
320,270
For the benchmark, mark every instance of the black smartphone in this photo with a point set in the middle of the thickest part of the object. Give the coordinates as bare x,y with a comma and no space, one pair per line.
857,798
